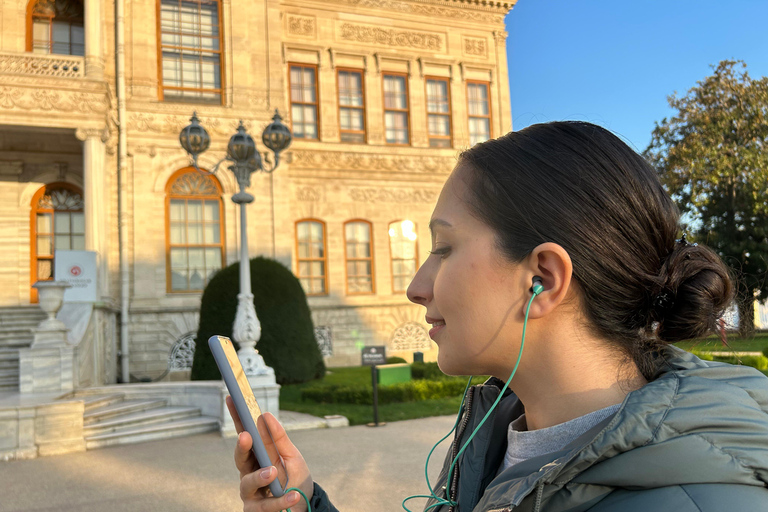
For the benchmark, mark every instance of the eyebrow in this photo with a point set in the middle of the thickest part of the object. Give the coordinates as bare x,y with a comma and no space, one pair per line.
439,222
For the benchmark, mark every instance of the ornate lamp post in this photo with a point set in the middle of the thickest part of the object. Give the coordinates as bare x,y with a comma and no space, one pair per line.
245,160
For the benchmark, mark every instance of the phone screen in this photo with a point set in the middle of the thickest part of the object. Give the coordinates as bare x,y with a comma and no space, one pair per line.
253,407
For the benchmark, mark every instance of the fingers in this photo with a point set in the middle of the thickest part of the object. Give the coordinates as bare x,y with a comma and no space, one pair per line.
233,413
291,500
255,495
244,458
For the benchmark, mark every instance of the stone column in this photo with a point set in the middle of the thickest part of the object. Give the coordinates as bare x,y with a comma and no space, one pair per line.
94,49
96,193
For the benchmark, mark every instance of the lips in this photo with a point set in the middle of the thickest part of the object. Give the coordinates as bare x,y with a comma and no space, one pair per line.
437,326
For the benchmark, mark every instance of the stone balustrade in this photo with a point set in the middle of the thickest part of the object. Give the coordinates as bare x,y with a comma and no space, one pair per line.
67,66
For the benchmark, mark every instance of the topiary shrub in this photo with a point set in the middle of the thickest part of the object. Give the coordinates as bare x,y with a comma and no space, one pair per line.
287,341
396,360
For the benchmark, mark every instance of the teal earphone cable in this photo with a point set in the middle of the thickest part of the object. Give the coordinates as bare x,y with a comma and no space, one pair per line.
537,289
306,500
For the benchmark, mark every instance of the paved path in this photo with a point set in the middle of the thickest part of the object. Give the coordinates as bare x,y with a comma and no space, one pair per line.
362,468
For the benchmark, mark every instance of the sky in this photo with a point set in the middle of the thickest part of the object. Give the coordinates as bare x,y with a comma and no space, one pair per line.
615,62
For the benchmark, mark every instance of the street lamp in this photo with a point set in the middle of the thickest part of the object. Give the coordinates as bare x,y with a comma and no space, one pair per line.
245,160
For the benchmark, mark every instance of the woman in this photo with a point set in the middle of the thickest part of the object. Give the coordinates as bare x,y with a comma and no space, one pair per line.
605,415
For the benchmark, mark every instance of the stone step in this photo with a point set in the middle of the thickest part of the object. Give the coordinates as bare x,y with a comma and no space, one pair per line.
118,409
9,382
19,323
16,338
179,428
93,402
9,365
9,372
151,417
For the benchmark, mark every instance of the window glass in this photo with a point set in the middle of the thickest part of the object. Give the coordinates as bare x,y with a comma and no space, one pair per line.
311,267
402,240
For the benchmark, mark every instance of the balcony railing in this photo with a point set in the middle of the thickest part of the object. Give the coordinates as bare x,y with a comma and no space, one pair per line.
68,66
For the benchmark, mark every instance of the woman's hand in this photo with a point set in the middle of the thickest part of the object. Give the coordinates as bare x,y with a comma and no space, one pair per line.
254,480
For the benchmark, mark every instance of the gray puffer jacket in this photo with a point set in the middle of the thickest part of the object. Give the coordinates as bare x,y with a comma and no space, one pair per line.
694,439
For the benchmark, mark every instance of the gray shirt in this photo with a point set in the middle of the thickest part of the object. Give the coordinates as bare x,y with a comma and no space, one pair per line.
523,444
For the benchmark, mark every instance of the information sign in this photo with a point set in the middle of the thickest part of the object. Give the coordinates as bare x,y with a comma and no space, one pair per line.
374,356
78,268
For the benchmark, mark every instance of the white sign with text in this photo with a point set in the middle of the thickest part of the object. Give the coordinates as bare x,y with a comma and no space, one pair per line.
78,268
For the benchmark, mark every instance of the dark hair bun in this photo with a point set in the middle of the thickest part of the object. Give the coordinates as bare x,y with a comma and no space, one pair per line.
696,292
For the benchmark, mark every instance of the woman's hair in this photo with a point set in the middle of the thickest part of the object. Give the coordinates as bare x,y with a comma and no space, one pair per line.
579,186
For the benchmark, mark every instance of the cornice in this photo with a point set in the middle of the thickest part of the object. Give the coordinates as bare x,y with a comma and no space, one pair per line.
470,10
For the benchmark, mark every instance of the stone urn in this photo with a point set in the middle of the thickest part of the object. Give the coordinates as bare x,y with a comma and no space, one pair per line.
51,296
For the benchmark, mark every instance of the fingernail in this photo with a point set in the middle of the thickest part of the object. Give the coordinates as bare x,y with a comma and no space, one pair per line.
265,472
293,496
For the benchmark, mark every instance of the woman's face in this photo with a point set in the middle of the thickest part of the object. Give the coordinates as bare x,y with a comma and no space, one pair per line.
472,294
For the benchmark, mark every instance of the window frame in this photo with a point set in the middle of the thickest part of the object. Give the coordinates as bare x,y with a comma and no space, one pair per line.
407,110
33,258
160,85
222,226
449,138
324,259
30,43
316,104
362,109
392,260
487,84
369,259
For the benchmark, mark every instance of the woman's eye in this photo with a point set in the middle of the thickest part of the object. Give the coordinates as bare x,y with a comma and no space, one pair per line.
442,251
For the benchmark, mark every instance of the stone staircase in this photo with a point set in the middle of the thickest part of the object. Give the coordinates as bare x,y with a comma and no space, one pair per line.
16,324
111,420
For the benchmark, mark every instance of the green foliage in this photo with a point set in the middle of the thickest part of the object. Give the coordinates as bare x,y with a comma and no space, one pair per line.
403,392
426,371
287,336
395,360
712,159
704,356
759,362
765,351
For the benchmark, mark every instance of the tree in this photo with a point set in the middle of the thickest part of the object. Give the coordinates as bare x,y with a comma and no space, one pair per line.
287,336
713,160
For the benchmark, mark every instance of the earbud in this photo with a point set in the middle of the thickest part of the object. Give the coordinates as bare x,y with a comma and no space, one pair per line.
537,286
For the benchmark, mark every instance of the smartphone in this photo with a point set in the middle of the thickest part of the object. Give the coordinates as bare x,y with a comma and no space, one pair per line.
248,409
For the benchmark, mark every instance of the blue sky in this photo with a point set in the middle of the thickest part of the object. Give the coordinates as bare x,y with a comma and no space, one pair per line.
614,62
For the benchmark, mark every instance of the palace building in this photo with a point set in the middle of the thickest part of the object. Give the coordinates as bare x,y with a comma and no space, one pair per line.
380,95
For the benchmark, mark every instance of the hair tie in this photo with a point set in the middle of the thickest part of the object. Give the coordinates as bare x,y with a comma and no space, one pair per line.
684,241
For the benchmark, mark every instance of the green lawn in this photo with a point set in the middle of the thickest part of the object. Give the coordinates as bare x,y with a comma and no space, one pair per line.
758,343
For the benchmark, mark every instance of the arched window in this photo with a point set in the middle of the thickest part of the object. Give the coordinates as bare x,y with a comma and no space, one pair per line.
403,250
312,256
359,257
56,26
57,223
195,227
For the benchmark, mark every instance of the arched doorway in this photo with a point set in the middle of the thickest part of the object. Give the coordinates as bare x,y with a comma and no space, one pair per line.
57,222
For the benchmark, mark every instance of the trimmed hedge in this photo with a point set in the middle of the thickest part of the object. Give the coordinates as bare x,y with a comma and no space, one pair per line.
404,392
287,341
426,371
758,362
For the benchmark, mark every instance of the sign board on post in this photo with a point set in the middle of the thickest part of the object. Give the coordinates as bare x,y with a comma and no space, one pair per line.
78,268
373,356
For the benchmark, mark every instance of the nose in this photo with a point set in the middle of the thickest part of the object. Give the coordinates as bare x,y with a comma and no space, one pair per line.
420,289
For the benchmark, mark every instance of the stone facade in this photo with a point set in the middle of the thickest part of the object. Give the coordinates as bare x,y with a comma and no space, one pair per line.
61,125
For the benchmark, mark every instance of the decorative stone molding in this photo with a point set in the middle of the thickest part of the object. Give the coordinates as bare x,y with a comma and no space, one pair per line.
302,159
82,134
500,37
42,65
173,124
11,167
490,12
301,26
409,336
47,100
308,194
475,46
405,196
368,34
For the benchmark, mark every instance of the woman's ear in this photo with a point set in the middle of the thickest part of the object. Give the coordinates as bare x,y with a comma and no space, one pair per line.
552,264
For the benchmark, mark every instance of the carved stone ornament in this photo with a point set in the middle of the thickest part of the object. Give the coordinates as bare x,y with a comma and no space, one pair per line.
69,66
403,196
301,25
500,37
396,38
488,14
11,167
370,162
47,100
173,124
475,46
308,194
409,336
